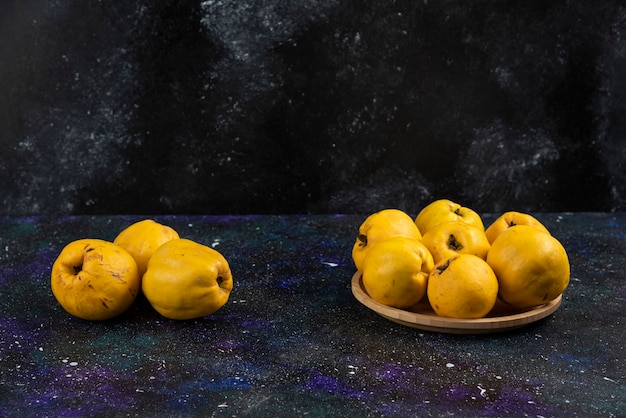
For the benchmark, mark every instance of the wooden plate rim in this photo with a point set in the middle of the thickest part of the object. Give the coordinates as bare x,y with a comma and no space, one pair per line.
432,322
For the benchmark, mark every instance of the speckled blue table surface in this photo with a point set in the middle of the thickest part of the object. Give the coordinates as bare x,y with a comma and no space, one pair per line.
293,340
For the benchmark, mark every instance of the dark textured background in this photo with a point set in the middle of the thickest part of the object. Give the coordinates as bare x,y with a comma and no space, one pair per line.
248,106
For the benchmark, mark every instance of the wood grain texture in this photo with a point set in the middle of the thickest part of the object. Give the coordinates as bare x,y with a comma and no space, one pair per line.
421,316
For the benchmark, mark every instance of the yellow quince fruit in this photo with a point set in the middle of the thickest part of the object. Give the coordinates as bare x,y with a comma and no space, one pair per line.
94,279
395,272
380,226
463,286
509,219
445,210
142,239
451,238
531,265
186,280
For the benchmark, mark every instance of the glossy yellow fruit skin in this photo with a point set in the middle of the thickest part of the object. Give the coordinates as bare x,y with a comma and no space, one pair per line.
395,272
142,239
187,280
531,265
445,210
451,238
509,219
94,279
380,226
463,287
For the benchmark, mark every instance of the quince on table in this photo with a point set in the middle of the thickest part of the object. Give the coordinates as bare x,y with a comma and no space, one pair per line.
395,272
380,226
94,279
509,219
452,238
445,210
531,265
463,286
186,280
142,239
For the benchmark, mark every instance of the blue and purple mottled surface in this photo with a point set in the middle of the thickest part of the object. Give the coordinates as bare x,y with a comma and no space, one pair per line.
293,341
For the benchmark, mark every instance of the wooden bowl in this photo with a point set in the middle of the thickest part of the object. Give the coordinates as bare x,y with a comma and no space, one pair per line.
422,316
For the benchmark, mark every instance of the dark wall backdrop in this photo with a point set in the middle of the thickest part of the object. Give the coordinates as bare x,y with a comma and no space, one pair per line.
341,106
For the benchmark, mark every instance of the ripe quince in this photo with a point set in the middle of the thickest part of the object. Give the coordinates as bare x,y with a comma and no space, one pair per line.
463,286
531,265
451,238
142,239
445,210
380,226
186,280
94,279
509,219
395,272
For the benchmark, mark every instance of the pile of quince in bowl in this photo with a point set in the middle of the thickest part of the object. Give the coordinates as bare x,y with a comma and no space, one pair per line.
95,279
448,256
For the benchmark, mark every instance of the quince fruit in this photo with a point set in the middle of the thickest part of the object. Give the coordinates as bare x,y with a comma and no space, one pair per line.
463,286
395,272
451,238
531,265
142,239
509,219
380,226
186,280
94,279
444,210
